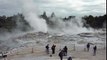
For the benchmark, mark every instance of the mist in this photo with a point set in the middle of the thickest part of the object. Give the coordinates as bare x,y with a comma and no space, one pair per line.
37,24
74,26
29,11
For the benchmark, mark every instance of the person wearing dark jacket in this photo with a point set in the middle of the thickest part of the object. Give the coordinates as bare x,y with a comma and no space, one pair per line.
65,50
61,55
53,49
88,46
47,48
94,50
69,58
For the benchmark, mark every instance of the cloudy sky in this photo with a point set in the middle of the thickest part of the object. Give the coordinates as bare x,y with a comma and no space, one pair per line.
60,7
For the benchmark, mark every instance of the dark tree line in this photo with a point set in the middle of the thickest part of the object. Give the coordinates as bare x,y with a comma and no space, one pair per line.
13,22
94,22
18,21
48,18
68,18
90,21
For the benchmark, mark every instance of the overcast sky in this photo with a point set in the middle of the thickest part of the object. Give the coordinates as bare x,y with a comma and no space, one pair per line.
60,7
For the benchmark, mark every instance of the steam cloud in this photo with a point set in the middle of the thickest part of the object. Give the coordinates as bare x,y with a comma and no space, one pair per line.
29,11
74,26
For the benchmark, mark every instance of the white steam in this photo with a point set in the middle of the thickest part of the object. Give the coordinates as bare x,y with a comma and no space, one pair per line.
29,11
74,26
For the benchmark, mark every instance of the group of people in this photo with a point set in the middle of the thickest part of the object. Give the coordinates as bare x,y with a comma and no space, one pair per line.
52,48
94,48
64,51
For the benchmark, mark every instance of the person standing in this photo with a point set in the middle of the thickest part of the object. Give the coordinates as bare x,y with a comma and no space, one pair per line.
94,50
61,55
53,49
47,48
88,46
65,50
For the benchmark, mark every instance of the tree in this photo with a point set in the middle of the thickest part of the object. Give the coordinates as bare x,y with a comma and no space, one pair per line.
95,22
52,15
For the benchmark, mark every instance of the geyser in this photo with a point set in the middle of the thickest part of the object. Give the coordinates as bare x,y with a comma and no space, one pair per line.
29,11
73,26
